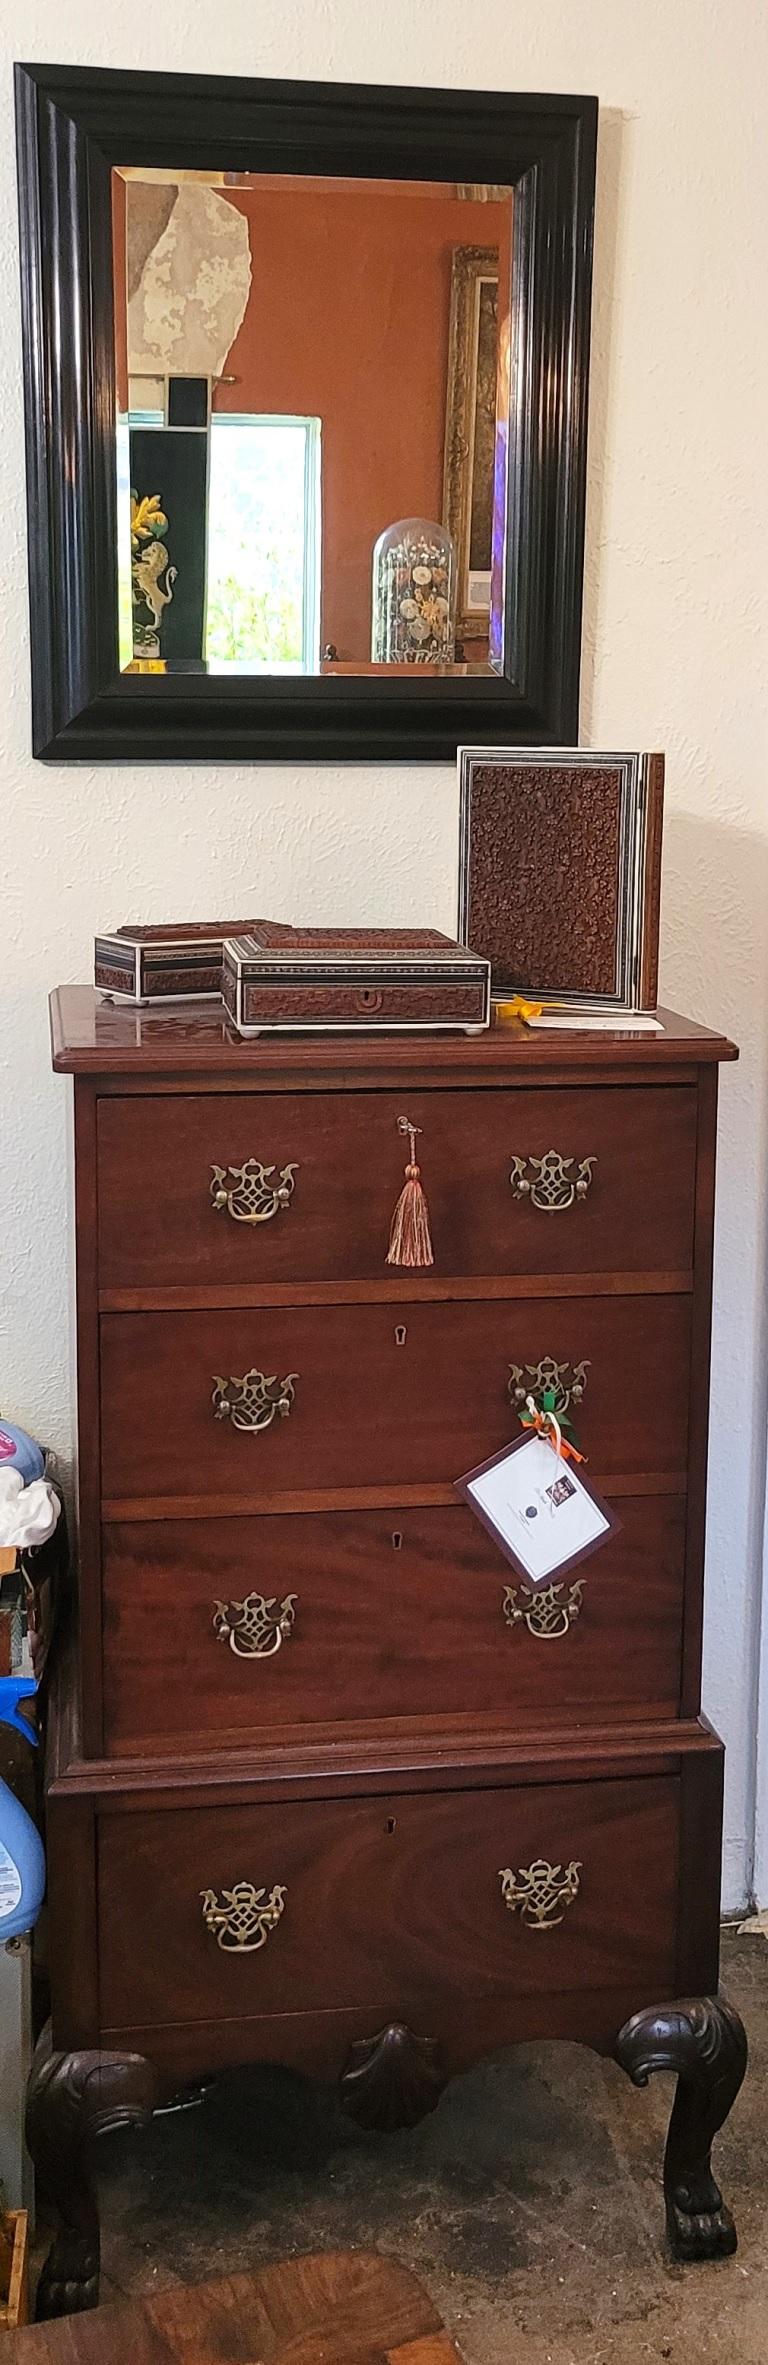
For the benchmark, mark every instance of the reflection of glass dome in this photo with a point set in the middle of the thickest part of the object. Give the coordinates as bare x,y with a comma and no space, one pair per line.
414,595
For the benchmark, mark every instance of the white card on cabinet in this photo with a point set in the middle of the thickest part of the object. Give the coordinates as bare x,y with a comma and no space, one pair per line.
543,1514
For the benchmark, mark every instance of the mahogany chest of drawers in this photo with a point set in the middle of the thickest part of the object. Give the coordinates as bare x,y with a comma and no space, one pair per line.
327,1784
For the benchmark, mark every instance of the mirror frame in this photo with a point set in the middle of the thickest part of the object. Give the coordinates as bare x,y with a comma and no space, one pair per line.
73,125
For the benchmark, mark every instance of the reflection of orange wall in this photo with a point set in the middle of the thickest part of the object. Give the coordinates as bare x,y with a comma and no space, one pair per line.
347,321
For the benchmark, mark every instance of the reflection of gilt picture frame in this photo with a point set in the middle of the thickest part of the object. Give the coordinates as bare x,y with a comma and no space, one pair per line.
470,430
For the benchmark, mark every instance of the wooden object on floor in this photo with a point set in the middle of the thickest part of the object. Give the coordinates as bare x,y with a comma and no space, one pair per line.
339,2308
330,1789
14,2270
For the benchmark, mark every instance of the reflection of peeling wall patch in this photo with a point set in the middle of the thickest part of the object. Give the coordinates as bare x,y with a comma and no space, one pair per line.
193,290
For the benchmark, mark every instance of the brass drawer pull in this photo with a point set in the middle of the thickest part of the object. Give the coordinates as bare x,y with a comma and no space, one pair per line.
255,1628
543,1892
248,1193
251,1403
239,1920
548,1181
561,1383
548,1611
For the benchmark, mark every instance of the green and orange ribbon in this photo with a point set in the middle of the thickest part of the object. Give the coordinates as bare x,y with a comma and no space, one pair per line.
547,1423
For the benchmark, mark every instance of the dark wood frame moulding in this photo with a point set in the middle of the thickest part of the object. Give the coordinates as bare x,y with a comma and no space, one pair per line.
73,125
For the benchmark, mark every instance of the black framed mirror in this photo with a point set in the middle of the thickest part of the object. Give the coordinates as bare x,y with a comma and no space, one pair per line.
306,375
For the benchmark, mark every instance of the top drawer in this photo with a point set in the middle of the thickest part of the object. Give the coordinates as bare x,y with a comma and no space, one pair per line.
493,1210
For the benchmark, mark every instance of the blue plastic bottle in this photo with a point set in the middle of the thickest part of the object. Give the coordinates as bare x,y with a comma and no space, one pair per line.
19,1451
22,1860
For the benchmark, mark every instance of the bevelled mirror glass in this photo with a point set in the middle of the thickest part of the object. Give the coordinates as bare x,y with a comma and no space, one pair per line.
329,423
312,381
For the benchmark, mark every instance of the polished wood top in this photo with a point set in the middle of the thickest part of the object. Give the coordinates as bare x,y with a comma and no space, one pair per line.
93,1036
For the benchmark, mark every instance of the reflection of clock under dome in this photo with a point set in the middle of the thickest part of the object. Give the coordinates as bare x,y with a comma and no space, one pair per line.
413,617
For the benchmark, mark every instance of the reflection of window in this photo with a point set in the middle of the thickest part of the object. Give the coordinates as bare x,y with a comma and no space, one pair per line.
263,563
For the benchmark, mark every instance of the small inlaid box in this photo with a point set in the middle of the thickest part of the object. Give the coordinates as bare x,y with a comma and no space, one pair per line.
165,964
353,979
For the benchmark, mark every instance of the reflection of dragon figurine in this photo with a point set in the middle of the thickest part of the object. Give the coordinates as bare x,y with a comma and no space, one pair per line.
148,566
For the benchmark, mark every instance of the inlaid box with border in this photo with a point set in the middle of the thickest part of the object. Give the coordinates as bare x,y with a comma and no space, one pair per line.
165,964
352,979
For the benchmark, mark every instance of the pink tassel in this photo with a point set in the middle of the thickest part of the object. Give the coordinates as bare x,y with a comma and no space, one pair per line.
410,1242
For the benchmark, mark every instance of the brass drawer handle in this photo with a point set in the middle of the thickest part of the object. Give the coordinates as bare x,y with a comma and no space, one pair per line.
548,1181
248,1193
562,1384
251,1403
548,1611
542,1891
239,1920
255,1628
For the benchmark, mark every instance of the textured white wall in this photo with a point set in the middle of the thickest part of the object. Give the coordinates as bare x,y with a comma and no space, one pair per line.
675,606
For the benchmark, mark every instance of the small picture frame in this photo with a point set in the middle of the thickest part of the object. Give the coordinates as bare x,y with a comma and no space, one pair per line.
560,873
566,1490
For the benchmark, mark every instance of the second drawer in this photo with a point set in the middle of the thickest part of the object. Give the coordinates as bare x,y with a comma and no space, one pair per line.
382,1395
216,1628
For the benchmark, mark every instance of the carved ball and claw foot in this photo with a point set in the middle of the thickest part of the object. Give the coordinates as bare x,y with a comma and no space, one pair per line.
71,2099
704,2041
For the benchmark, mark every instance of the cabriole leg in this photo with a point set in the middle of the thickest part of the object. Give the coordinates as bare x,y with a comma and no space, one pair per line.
71,2099
704,2041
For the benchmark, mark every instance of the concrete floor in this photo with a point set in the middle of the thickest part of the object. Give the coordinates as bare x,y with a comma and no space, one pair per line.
530,2203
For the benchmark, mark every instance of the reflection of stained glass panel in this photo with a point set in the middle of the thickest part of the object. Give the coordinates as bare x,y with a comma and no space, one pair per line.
172,462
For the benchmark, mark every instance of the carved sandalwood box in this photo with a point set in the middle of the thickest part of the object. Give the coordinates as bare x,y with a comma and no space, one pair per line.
560,872
353,978
165,964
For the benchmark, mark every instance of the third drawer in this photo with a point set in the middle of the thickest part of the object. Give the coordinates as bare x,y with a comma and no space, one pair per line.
217,1629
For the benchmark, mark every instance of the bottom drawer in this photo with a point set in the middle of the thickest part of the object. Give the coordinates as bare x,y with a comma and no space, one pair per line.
383,1900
